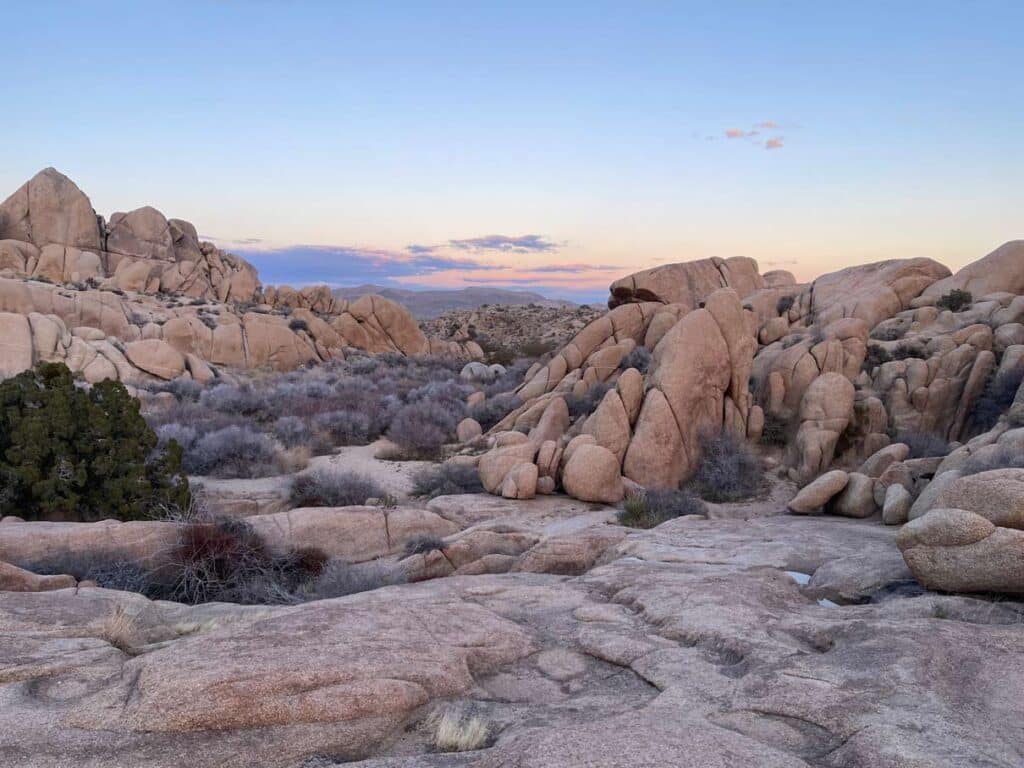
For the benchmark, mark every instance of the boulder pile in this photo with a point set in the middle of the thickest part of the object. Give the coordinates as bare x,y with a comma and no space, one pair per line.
141,297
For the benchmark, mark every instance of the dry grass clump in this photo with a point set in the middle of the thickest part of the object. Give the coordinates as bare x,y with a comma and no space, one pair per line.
456,731
120,629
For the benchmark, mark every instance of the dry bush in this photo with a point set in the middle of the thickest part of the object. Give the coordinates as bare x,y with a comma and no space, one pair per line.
447,479
333,488
120,630
728,470
339,578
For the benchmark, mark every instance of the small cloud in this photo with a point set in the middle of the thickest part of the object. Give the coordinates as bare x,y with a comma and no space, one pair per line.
420,250
775,142
780,263
506,244
735,133
768,125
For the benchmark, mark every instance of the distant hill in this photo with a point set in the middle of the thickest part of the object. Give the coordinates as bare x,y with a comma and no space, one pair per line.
428,304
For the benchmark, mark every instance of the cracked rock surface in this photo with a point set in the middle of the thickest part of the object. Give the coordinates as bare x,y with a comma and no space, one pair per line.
692,644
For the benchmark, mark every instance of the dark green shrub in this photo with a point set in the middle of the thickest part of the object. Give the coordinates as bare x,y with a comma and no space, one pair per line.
955,300
298,325
784,304
923,444
68,452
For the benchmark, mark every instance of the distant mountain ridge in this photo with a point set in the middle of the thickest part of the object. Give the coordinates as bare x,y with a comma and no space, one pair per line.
428,304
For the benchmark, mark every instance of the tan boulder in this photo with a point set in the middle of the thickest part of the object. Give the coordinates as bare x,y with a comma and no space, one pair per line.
997,495
143,234
954,550
815,495
609,424
1001,270
156,357
49,208
520,482
687,283
553,421
468,429
825,412
592,474
14,579
857,499
880,460
498,462
16,350
630,387
896,507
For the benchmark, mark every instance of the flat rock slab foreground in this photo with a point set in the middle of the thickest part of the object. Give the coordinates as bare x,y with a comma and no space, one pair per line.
690,647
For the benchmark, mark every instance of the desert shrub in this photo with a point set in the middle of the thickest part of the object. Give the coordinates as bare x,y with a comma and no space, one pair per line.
908,350
792,340
345,427
181,388
225,560
775,431
333,488
924,444
422,544
290,430
653,507
71,452
955,300
232,452
125,575
229,399
510,379
340,578
494,409
447,479
784,304
587,403
728,470
182,434
639,358
297,325
421,429
876,355
996,398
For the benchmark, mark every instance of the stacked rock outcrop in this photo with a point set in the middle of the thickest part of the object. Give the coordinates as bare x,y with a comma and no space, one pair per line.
141,296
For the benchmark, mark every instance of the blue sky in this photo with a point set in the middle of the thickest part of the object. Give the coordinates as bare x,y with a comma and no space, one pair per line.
541,145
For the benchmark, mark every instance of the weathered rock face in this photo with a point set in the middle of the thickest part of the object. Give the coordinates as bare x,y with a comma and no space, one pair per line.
141,297
50,209
1000,271
688,646
687,283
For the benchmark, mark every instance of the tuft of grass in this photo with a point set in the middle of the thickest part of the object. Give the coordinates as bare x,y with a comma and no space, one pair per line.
120,630
423,544
455,731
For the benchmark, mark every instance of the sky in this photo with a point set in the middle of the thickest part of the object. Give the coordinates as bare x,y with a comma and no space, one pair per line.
551,146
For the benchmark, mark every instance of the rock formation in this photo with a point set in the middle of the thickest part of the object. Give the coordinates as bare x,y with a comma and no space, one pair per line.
141,297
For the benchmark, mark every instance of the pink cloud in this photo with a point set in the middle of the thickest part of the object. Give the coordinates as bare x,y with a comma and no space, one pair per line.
768,125
735,133
775,142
